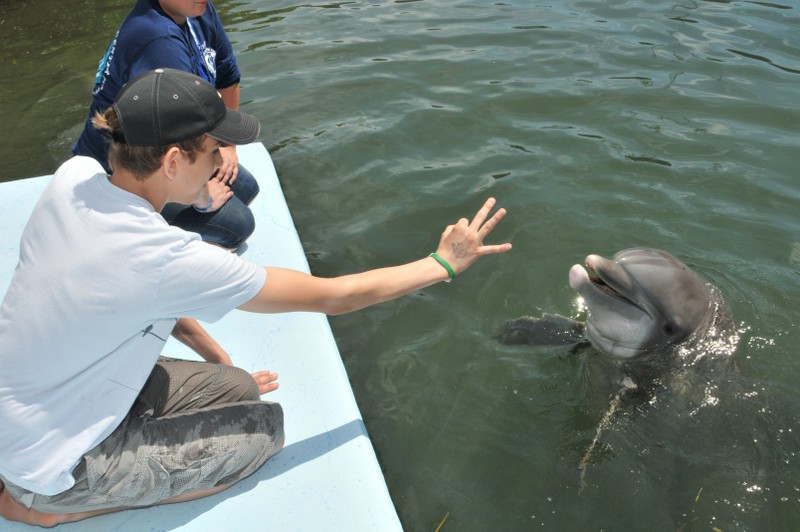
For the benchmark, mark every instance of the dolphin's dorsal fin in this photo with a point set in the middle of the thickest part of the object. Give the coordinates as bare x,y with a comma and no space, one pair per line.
549,330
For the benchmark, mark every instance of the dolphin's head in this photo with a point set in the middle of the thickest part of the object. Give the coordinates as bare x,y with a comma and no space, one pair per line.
642,300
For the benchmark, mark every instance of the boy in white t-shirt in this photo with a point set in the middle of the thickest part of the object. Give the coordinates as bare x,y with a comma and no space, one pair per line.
94,419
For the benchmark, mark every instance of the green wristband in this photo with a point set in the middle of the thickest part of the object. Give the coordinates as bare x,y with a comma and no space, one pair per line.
445,265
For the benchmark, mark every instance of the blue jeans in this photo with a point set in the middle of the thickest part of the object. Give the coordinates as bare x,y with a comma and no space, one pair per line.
229,226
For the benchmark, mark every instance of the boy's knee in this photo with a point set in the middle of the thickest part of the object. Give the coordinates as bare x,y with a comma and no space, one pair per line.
237,226
240,385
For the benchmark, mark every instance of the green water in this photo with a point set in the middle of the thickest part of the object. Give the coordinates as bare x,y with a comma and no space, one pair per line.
599,126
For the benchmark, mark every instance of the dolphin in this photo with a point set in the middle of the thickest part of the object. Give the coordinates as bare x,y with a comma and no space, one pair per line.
642,301
664,327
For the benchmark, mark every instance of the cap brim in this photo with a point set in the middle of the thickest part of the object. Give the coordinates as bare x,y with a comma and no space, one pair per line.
236,128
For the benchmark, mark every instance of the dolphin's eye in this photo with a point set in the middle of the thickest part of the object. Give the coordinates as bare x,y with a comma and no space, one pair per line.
669,329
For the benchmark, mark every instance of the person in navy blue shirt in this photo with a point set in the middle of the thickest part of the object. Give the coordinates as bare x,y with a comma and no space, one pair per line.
186,35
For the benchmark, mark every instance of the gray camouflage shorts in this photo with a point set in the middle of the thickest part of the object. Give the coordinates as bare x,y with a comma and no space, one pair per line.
194,426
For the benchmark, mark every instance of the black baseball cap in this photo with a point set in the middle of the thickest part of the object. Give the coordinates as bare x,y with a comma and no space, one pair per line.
164,106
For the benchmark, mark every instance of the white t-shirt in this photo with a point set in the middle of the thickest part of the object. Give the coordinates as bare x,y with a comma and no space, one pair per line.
100,283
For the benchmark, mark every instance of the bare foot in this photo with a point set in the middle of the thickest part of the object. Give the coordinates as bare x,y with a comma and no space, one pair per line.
15,511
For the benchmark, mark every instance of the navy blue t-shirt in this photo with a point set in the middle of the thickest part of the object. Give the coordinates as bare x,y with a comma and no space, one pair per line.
148,39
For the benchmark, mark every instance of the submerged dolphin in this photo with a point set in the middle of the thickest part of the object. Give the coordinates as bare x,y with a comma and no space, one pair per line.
641,301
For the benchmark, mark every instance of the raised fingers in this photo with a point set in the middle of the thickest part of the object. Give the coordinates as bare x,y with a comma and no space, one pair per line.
480,217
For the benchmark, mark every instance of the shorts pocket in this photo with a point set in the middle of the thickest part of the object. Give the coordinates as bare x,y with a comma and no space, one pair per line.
133,480
201,473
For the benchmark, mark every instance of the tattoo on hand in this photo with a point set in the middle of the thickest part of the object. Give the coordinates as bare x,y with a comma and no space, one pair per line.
459,250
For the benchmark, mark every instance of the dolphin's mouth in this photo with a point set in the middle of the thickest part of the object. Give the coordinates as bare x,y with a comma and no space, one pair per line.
601,285
615,323
608,281
600,279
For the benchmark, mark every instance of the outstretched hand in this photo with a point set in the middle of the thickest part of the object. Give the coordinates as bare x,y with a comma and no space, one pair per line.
462,243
